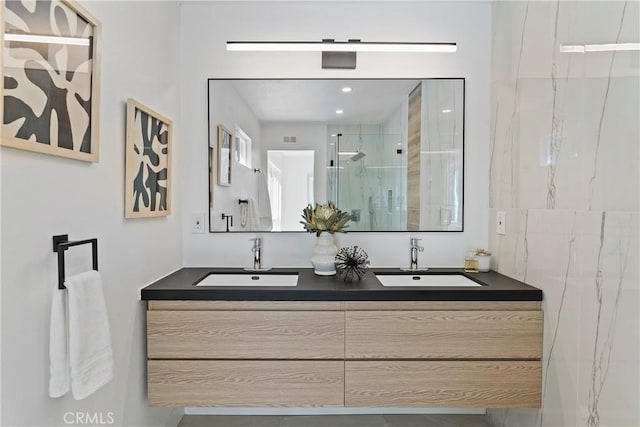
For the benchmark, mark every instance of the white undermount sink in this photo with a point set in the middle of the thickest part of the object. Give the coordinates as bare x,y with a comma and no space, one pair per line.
248,279
422,280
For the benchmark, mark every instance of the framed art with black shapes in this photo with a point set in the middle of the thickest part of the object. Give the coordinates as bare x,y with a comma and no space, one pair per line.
51,72
148,162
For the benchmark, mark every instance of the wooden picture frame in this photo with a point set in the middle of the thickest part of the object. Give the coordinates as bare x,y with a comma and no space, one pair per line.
51,71
225,153
148,162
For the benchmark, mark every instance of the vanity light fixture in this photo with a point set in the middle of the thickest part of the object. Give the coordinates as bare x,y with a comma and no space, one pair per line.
35,38
340,55
330,45
599,47
446,111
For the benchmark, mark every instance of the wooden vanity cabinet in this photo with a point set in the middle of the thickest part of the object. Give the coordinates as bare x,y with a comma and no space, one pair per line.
443,354
354,354
247,354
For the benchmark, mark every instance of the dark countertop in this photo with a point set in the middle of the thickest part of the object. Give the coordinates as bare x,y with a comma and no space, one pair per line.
180,285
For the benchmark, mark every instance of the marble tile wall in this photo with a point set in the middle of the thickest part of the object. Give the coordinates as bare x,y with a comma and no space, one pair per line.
564,167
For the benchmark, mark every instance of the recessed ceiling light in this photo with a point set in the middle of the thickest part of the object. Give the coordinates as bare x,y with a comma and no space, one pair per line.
339,111
346,89
446,111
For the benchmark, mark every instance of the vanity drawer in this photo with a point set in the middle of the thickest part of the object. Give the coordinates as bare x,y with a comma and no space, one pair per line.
246,383
449,384
443,334
245,334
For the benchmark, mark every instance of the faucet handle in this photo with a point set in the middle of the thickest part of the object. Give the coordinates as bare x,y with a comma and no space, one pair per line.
414,244
257,242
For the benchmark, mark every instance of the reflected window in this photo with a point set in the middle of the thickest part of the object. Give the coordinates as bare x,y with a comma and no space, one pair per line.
243,147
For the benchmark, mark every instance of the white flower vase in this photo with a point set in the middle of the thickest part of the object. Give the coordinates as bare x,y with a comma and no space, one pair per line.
324,255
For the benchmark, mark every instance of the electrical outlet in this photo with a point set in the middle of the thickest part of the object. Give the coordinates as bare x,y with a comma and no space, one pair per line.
197,222
501,222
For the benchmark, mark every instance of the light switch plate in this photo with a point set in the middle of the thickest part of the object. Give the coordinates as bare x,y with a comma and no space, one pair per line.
197,223
501,222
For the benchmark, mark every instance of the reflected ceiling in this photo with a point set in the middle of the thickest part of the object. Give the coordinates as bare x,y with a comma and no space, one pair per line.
316,101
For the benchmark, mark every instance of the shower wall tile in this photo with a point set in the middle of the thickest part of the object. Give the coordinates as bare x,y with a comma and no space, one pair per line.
564,167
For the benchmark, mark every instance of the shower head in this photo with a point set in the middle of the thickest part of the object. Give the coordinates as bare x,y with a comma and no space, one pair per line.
357,156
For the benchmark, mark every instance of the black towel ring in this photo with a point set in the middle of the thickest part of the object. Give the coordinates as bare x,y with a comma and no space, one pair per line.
61,243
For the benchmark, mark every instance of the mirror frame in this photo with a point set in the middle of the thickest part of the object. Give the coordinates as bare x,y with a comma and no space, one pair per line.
464,128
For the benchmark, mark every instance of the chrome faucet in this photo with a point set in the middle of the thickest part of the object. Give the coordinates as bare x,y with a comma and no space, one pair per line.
414,253
257,253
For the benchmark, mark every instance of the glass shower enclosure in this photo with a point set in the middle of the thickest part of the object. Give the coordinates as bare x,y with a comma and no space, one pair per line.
367,176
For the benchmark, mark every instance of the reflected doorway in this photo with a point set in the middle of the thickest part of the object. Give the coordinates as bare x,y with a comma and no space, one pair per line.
290,181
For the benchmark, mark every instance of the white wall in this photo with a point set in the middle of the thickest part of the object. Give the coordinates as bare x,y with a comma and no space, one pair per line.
45,195
572,223
206,27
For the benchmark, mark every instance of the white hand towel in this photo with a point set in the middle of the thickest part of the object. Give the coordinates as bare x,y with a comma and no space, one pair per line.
58,346
253,219
90,358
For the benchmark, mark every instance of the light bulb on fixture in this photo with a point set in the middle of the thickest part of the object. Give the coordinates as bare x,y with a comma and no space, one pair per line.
598,47
36,38
346,89
339,111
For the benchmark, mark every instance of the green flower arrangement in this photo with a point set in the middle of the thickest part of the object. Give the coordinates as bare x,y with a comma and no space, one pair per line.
325,217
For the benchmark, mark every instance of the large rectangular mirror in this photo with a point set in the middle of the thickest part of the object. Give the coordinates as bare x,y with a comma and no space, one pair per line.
389,151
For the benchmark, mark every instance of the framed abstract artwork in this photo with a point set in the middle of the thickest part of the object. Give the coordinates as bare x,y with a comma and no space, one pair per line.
148,162
51,70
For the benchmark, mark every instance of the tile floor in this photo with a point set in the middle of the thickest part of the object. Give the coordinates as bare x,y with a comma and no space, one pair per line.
336,421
